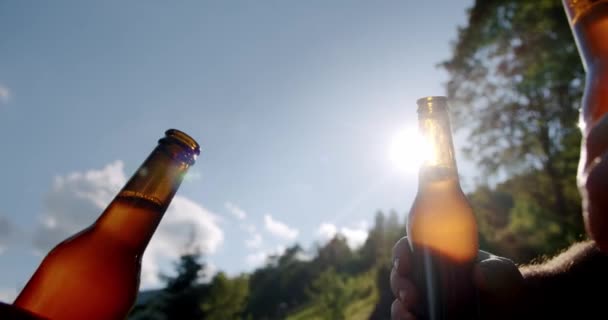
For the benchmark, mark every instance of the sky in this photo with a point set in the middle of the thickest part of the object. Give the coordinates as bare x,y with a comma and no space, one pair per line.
295,105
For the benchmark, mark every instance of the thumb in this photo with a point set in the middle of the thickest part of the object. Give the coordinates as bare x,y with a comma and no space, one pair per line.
499,281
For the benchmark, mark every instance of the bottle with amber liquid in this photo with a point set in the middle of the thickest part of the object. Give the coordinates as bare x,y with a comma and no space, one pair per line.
589,23
94,274
441,227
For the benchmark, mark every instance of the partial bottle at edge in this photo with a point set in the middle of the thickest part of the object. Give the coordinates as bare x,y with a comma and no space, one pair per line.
589,23
441,227
94,274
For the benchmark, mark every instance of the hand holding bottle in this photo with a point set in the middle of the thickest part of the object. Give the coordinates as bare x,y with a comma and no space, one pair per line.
497,279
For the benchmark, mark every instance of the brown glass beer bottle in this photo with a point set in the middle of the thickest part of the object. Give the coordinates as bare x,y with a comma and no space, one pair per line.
441,228
589,23
94,274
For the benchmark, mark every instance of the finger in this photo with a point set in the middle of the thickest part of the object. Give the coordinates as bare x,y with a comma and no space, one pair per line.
595,202
498,280
484,255
403,289
483,269
496,273
399,312
401,256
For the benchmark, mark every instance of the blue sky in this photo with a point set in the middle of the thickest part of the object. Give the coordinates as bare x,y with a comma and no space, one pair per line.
294,104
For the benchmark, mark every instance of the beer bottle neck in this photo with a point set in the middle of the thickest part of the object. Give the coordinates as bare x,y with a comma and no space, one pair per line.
134,214
158,178
439,164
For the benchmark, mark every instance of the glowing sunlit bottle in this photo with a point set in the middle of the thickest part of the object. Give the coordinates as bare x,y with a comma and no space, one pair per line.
94,274
589,22
441,227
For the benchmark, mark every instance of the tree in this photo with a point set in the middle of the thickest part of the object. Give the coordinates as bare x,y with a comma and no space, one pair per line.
331,293
516,220
183,292
181,297
335,253
280,285
394,229
515,82
376,248
227,297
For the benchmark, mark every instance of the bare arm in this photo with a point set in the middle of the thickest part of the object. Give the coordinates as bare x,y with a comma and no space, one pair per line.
572,285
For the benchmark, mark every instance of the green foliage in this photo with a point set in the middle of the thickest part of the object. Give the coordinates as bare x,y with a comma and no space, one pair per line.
227,297
385,232
188,270
289,282
280,285
180,299
182,294
359,307
331,294
516,219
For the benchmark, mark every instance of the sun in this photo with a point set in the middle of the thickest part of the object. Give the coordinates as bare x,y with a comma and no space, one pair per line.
408,149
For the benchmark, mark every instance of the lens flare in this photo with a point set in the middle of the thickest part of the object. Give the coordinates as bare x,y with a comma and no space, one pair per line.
408,150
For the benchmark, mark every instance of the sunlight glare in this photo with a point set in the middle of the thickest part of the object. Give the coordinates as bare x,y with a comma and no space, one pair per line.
408,149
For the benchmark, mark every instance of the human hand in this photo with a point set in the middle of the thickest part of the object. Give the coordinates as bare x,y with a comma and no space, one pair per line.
497,279
593,182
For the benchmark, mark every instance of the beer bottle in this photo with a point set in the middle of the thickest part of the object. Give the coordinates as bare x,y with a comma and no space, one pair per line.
94,274
441,228
589,22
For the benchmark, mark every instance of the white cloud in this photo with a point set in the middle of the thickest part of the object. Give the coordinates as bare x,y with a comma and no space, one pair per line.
363,224
208,272
256,259
236,211
355,237
77,199
327,231
304,256
254,242
185,224
5,94
259,258
279,229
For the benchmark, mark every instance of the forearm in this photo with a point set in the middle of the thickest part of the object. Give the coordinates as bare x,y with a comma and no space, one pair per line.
567,285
